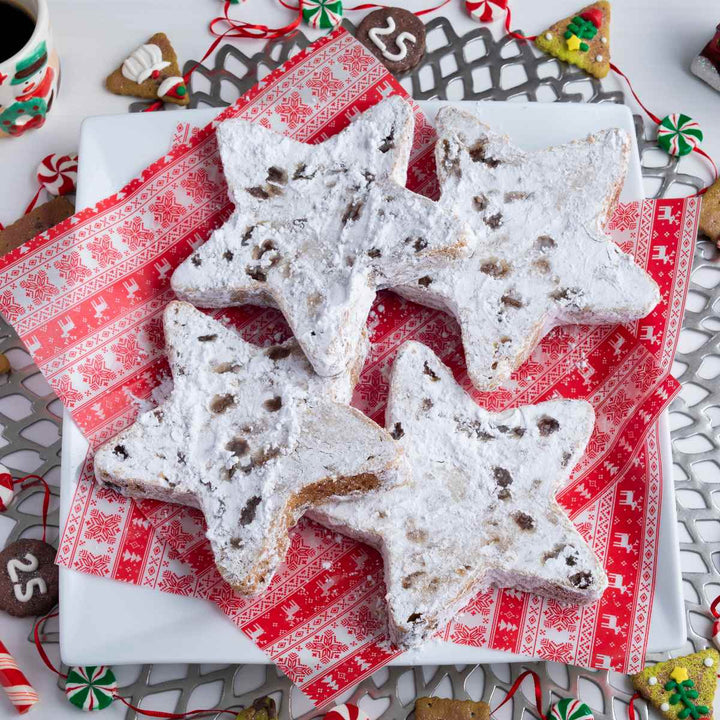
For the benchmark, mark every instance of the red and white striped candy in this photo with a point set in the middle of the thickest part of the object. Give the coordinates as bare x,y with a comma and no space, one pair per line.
7,489
20,692
347,712
716,634
482,10
58,174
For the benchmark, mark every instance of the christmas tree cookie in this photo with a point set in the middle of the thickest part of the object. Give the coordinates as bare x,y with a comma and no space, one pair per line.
683,687
582,39
151,71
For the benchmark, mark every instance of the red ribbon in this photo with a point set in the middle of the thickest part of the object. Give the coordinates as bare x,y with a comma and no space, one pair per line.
538,692
714,607
33,202
631,706
41,650
37,480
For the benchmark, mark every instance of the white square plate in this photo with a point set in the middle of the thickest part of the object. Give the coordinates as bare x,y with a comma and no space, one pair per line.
149,626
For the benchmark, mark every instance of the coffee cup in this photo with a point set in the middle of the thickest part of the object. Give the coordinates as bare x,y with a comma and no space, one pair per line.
29,76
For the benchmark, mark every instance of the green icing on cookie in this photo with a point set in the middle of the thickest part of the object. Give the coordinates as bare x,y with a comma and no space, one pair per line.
682,688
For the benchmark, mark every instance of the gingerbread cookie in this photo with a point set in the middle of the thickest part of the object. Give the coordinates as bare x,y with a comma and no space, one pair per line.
710,213
395,36
319,228
42,218
543,258
151,71
28,578
432,708
262,709
683,687
480,509
582,39
251,436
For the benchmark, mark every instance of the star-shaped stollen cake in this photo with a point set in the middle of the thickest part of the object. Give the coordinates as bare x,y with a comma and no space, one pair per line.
543,258
318,229
480,510
251,436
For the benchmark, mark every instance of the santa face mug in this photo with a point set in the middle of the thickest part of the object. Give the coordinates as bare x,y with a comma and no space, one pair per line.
29,66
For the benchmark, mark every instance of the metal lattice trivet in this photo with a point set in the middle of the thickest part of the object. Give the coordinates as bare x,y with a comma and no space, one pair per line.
473,67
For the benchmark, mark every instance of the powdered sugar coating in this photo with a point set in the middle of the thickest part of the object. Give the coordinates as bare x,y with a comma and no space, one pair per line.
319,228
542,257
480,509
252,437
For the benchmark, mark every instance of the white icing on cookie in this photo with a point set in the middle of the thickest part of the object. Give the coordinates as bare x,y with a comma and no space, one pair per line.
652,680
318,228
27,565
143,62
168,84
480,509
542,258
252,437
376,36
24,593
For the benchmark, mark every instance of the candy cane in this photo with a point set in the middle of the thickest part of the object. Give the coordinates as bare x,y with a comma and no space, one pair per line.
18,689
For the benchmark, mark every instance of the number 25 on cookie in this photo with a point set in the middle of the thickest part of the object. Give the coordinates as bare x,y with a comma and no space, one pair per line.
28,565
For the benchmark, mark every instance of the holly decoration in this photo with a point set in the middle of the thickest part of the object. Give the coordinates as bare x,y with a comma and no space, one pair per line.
570,709
681,688
582,39
91,688
578,29
679,134
322,14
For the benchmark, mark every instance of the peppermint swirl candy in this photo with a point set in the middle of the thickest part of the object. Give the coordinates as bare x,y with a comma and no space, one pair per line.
347,712
322,14
91,688
58,174
7,488
482,10
679,134
570,709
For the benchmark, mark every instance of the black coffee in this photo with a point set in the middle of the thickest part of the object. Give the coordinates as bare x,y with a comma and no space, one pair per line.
16,28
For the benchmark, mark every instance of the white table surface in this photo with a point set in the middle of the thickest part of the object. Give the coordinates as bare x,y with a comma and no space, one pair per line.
653,42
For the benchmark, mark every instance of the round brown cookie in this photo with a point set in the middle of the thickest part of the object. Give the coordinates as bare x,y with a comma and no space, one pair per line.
28,578
395,36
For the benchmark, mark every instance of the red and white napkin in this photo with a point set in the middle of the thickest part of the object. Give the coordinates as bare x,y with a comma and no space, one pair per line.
87,299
